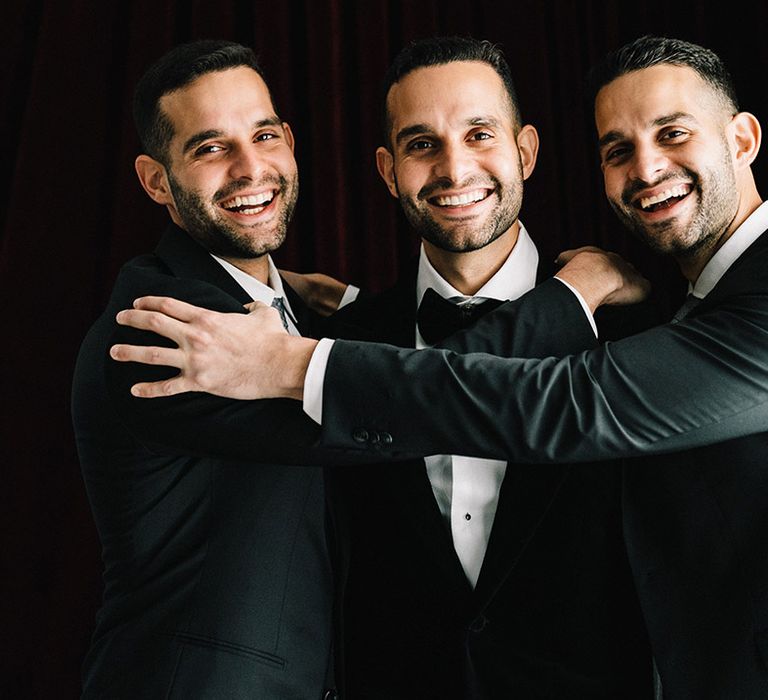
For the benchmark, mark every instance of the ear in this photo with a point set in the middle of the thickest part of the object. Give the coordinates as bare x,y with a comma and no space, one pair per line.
746,133
154,179
288,135
385,163
528,147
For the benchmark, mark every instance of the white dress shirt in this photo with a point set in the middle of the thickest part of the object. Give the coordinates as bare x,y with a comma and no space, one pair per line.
258,291
743,237
467,488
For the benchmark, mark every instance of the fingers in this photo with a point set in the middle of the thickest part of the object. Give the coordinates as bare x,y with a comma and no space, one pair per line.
155,321
168,306
568,255
254,305
167,387
170,357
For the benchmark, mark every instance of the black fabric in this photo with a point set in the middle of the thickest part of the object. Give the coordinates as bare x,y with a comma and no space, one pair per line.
554,613
688,400
216,565
437,318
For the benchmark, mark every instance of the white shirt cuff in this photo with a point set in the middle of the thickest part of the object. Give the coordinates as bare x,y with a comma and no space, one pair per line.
350,294
583,303
314,378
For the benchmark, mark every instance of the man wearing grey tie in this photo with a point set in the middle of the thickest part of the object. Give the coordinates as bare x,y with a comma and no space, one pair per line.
689,399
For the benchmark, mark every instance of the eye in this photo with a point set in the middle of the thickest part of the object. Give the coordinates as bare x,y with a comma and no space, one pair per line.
266,136
673,134
481,136
208,148
616,154
420,145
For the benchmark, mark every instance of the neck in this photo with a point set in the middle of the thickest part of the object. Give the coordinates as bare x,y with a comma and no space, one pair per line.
468,272
692,265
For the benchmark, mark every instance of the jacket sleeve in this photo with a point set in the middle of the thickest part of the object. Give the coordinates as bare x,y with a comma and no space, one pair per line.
701,381
548,321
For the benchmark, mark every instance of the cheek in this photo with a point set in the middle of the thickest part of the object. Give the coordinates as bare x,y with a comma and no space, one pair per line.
614,184
410,177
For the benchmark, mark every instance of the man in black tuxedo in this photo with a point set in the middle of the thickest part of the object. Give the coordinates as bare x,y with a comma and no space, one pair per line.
471,577
217,569
688,399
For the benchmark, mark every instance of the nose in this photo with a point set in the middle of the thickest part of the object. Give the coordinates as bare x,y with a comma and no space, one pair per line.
648,162
455,163
247,163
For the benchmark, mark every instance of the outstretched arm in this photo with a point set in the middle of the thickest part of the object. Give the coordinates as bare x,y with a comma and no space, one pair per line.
699,382
249,357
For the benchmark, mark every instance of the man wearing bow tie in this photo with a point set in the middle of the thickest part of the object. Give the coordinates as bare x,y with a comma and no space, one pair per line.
475,577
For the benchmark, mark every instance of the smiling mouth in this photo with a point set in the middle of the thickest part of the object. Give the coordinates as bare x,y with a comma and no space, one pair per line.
250,204
664,199
460,200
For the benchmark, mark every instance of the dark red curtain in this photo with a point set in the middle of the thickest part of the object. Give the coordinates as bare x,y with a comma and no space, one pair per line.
71,211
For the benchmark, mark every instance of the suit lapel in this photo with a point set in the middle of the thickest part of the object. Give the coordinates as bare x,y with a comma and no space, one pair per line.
741,274
527,493
187,259
392,319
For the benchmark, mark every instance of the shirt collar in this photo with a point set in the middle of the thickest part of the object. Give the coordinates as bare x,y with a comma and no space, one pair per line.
513,279
258,291
743,237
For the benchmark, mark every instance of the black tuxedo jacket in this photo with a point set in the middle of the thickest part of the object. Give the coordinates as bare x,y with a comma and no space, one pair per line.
216,567
554,613
690,400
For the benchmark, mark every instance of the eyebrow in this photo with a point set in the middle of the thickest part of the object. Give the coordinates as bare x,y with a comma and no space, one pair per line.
198,138
415,129
613,136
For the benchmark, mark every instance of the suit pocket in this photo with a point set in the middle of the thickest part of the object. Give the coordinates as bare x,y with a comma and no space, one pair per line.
265,657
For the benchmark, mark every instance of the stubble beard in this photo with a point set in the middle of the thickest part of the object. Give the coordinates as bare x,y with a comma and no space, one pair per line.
464,237
222,238
716,208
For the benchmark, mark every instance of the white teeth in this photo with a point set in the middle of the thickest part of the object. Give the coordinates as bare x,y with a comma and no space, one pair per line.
253,200
458,200
679,191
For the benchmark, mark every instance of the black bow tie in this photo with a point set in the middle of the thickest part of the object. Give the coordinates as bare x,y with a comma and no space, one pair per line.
438,318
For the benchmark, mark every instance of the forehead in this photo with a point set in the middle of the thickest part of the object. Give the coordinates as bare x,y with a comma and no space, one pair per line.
219,101
635,100
433,95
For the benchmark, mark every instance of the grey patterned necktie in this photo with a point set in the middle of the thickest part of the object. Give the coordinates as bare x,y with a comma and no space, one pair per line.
277,303
689,303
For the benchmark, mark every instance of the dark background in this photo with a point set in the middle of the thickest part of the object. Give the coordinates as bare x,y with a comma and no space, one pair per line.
72,211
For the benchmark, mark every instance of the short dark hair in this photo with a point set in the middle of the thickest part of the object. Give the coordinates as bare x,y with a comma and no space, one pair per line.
439,50
650,51
178,68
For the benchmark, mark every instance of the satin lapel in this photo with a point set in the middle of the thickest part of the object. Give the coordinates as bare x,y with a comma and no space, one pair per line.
187,259
395,322
527,493
408,488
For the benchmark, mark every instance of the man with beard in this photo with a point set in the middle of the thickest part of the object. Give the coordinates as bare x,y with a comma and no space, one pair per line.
689,399
217,574
439,545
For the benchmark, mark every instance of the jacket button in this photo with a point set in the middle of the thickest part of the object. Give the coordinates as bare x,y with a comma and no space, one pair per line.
373,437
478,624
386,438
360,435
331,694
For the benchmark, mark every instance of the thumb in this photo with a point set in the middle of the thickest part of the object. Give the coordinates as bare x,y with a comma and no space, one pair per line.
253,305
